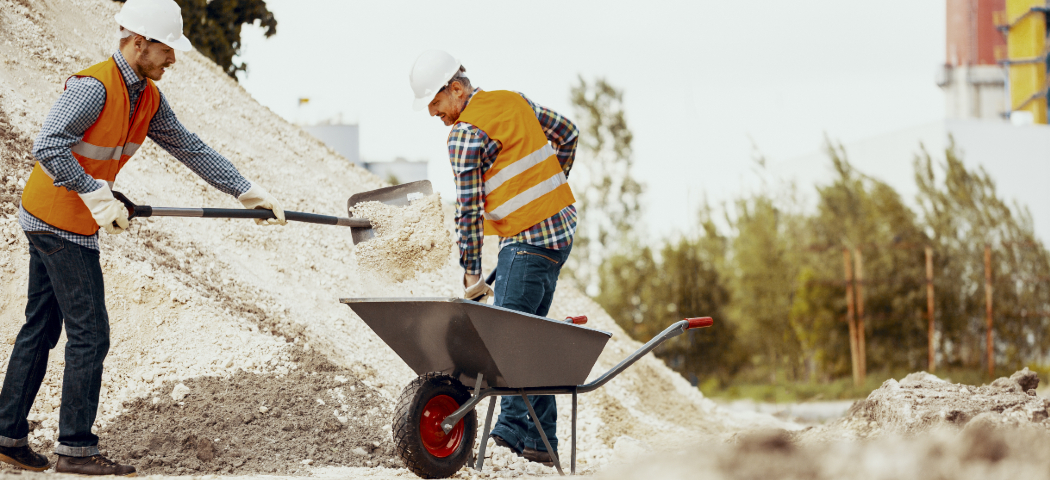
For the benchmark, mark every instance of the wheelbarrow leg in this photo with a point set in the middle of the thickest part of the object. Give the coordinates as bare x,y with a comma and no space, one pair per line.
485,435
543,435
572,466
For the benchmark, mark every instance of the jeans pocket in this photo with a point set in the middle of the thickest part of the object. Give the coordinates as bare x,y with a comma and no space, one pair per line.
526,252
46,242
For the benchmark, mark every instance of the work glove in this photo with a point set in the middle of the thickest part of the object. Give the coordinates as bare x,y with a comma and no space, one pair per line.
107,211
478,292
257,197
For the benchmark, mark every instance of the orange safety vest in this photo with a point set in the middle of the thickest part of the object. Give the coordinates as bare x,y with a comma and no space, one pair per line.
102,152
526,184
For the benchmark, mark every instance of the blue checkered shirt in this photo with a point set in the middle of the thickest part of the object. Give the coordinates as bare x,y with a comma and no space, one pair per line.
79,107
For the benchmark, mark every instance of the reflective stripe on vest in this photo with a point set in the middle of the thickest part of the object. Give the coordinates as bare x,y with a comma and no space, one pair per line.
95,152
104,149
525,184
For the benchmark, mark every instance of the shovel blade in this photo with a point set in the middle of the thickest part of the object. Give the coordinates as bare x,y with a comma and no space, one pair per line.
397,195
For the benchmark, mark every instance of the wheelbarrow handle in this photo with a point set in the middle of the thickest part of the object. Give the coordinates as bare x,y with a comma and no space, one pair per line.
674,330
148,211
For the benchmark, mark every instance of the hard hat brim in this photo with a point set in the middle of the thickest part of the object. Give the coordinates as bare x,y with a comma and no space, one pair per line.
182,44
421,103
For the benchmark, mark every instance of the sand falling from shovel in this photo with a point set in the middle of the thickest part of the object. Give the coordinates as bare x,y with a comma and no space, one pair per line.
409,240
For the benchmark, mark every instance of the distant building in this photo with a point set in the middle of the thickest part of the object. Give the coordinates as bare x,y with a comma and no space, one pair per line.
399,171
345,140
973,81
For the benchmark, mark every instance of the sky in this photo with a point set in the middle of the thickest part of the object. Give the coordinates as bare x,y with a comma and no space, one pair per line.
706,84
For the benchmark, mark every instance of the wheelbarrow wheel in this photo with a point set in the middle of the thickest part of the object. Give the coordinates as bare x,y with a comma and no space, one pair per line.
425,448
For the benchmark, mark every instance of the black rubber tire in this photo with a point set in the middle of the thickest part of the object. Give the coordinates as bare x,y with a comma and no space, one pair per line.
405,427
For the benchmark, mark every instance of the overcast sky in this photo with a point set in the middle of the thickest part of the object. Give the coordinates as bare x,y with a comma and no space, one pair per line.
704,81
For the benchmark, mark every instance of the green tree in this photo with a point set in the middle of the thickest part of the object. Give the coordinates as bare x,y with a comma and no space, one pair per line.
607,194
761,277
645,295
864,214
214,27
963,213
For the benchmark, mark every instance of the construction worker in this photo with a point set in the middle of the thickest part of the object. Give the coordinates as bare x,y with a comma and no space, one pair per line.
97,124
511,159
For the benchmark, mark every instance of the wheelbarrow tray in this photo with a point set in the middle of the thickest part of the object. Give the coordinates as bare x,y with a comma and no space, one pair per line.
463,338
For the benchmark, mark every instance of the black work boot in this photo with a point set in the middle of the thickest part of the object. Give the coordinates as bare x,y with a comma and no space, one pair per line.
500,442
24,457
542,457
94,465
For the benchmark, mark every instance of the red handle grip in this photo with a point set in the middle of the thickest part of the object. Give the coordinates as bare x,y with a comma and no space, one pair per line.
699,322
577,320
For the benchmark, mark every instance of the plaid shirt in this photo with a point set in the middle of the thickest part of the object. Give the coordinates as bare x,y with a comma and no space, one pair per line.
79,107
472,152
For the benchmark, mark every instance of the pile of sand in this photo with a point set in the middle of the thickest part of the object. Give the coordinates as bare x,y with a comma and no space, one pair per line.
922,402
409,239
209,302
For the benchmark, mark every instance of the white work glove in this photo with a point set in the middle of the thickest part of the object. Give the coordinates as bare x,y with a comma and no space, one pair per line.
107,211
257,197
480,289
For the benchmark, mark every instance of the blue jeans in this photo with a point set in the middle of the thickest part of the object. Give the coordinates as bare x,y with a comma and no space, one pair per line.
65,284
526,276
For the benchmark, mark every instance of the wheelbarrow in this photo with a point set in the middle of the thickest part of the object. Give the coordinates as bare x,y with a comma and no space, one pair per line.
452,342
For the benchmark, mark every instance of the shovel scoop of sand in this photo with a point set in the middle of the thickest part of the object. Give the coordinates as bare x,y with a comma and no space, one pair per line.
408,240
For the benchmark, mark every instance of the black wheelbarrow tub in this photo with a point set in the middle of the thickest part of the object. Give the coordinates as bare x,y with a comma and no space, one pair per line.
463,338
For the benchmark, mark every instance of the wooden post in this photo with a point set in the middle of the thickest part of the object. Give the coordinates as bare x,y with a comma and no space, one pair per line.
862,357
849,315
929,308
988,308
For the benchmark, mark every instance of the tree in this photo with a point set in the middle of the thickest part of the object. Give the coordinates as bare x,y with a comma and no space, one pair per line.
607,194
963,213
867,216
214,27
645,295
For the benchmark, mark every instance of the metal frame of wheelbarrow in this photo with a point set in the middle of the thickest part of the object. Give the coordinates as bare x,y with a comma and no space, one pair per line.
674,330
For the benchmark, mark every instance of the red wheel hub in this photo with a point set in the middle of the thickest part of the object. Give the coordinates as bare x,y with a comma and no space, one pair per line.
436,441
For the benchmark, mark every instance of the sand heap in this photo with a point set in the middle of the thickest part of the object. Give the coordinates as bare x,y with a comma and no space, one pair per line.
409,239
921,402
208,303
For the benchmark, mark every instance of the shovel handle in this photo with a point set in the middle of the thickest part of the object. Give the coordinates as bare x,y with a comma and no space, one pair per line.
148,211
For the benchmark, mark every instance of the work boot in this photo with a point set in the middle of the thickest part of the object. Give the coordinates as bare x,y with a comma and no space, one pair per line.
24,457
94,465
500,442
533,455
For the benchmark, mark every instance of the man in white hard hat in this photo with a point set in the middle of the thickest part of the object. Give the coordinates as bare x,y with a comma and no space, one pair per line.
511,160
100,120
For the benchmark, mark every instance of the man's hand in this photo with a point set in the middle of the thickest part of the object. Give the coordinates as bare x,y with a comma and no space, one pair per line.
476,291
470,279
257,197
107,211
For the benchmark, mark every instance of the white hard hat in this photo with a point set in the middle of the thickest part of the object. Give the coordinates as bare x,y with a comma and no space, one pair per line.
159,20
431,72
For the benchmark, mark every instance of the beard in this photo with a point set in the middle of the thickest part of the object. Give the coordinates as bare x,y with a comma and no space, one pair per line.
153,71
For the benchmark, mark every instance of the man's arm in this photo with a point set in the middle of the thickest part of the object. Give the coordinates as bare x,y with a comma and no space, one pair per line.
560,131
465,145
188,148
74,112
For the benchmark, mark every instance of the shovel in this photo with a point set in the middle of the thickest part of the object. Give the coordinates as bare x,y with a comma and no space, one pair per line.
360,228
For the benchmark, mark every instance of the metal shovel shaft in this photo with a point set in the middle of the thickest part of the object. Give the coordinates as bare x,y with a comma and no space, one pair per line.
147,211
